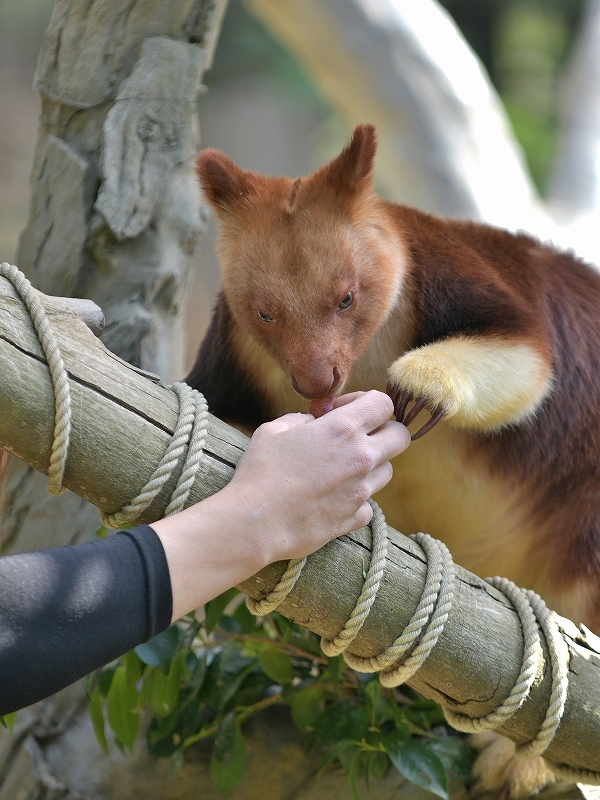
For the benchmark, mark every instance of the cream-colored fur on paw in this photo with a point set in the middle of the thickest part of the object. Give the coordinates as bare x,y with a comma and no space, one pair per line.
498,766
480,383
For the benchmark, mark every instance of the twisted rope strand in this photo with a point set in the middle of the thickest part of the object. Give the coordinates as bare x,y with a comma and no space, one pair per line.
559,660
191,427
404,671
379,543
287,582
532,657
195,450
192,422
423,614
58,373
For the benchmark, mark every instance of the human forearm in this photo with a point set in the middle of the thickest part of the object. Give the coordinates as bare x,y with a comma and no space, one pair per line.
67,611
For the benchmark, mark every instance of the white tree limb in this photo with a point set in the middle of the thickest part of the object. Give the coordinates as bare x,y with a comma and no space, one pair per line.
445,141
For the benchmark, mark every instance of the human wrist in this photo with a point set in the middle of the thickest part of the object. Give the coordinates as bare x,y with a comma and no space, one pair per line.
240,527
209,547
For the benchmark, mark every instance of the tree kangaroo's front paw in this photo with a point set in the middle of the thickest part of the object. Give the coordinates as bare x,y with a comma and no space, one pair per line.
431,382
480,383
499,769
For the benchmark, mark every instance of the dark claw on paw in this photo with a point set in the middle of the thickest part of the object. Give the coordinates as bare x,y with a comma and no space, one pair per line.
475,790
401,400
419,405
435,418
392,391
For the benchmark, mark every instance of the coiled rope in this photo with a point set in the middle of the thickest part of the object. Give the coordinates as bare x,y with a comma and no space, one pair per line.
60,382
411,648
401,660
188,437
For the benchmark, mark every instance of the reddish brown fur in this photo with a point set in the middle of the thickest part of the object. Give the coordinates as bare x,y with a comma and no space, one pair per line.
297,247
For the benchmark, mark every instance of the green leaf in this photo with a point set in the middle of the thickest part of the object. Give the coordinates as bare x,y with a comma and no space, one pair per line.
424,713
157,691
341,720
372,690
228,760
211,676
455,754
97,717
309,644
378,765
354,772
403,729
101,532
245,619
232,686
105,680
419,765
8,720
335,666
134,667
173,686
255,687
276,665
196,679
306,706
121,706
213,610
161,649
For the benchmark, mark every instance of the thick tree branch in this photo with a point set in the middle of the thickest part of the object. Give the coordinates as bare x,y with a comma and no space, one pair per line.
121,425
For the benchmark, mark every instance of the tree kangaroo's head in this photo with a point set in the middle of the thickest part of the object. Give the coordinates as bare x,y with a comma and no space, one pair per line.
311,266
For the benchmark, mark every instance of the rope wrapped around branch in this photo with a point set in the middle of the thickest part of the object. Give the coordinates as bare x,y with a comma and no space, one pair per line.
411,648
401,660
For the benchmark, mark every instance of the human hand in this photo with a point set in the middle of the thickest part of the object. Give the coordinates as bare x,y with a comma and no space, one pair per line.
301,482
304,481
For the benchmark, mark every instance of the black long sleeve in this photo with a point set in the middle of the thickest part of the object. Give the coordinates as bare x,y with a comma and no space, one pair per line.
67,611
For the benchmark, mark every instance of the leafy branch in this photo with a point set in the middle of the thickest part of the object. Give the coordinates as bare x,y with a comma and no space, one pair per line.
205,678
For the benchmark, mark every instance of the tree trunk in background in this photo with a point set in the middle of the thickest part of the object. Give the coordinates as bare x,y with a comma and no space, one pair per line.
574,192
114,216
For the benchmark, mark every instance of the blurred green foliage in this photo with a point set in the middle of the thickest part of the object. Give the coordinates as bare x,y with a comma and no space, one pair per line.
204,678
246,47
524,45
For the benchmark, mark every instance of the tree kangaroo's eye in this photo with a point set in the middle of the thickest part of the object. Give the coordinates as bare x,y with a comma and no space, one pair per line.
265,317
346,302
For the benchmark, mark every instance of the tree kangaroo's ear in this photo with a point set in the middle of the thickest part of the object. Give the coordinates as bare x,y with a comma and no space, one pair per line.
352,171
224,184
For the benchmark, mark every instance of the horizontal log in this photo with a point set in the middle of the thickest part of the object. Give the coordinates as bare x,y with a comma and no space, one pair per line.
122,421
123,418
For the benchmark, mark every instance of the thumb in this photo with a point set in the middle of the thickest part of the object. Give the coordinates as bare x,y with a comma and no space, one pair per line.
289,421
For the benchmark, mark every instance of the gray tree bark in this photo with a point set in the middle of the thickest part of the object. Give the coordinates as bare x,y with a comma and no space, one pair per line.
114,215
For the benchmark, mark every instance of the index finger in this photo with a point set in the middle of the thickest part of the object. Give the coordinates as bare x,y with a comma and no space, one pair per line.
368,409
344,399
